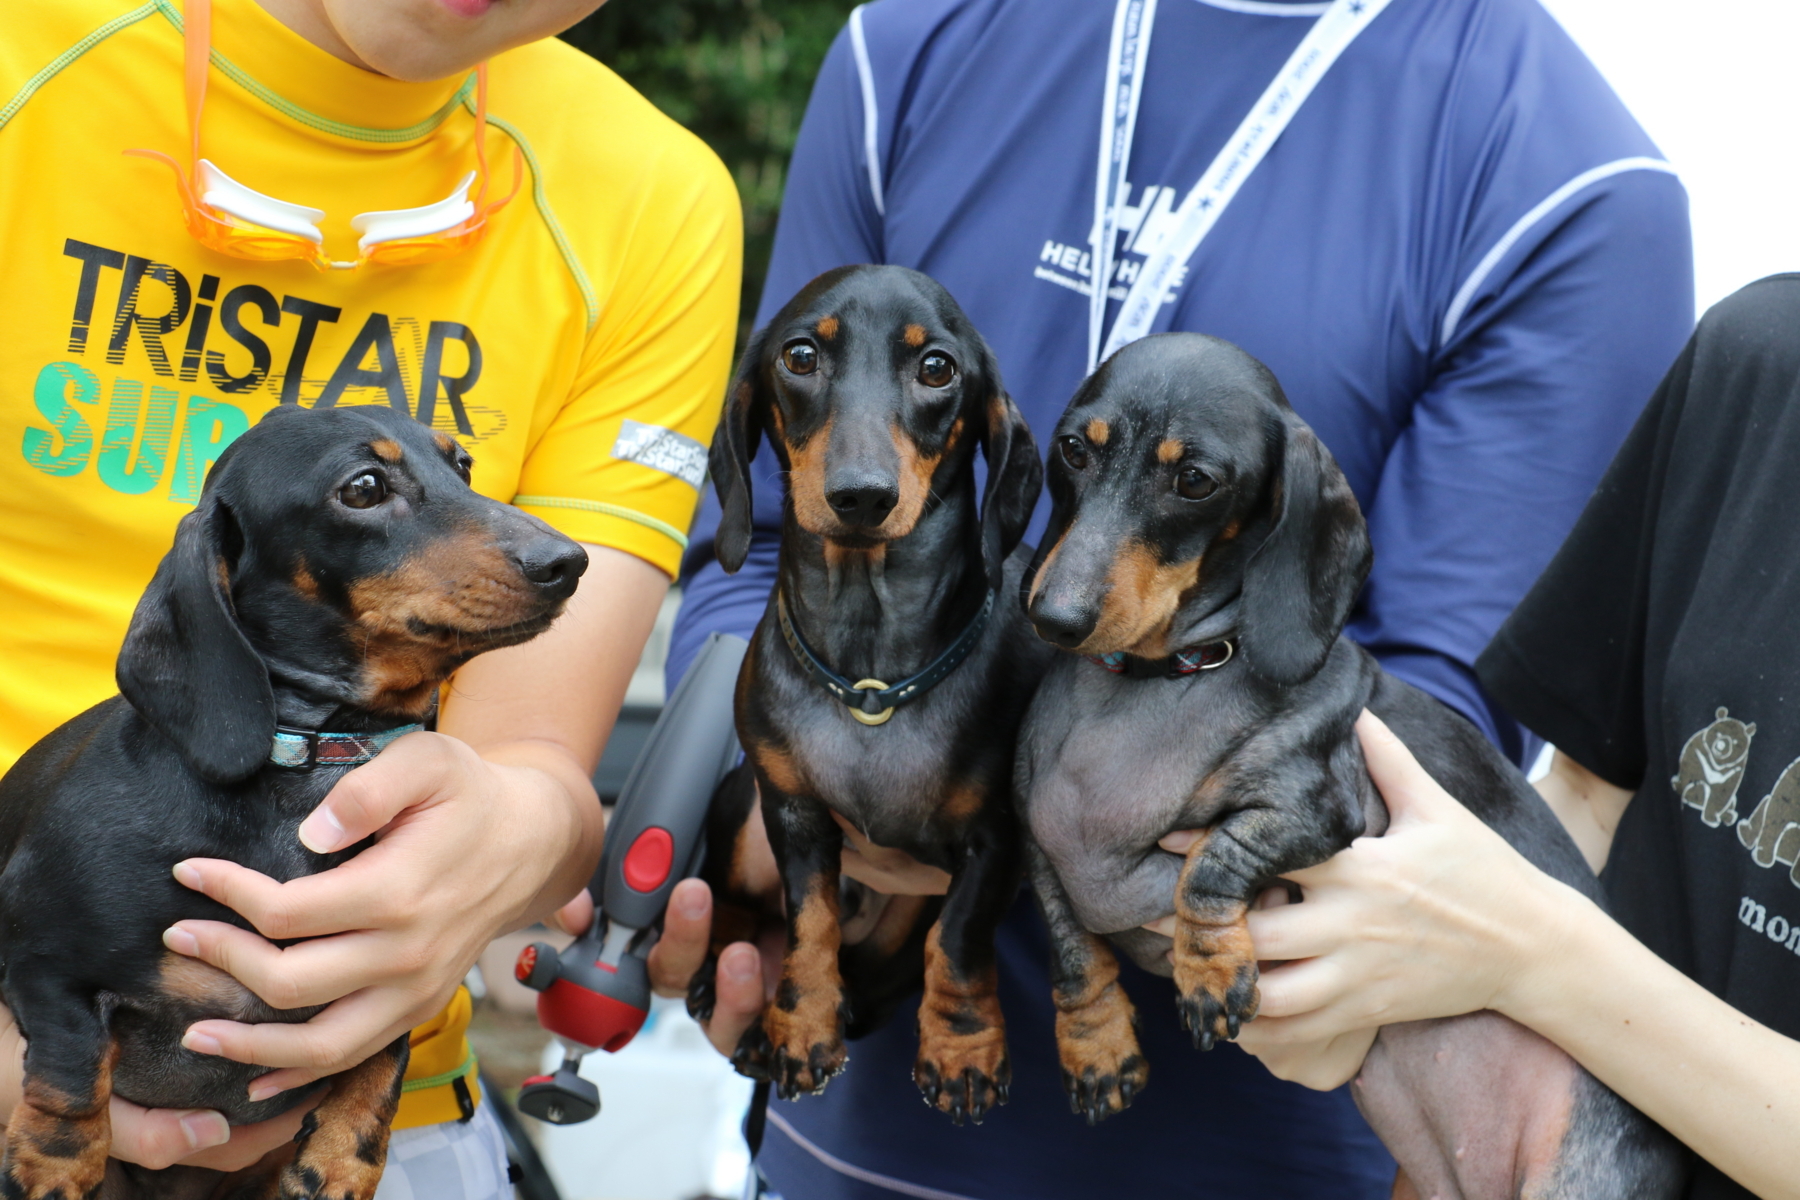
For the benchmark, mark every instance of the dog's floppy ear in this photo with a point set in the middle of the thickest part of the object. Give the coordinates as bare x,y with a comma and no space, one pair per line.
186,666
733,446
1300,583
1015,476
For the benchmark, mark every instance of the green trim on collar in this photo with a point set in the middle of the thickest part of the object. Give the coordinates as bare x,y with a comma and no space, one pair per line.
610,510
71,54
358,133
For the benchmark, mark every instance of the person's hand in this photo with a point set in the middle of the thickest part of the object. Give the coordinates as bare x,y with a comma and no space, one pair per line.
746,972
162,1137
166,1137
466,848
1438,917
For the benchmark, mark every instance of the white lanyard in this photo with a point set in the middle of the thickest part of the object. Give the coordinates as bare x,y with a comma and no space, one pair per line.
1330,35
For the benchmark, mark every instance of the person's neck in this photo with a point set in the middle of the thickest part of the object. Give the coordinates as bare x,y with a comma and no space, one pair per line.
308,19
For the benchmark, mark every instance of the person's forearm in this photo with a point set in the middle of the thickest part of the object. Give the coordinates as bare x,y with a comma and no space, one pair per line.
549,706
569,804
1725,1085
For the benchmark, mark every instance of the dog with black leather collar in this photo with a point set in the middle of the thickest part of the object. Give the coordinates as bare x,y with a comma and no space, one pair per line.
1192,505
875,393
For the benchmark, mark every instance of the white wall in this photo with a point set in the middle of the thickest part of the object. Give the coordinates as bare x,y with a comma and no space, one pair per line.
1717,85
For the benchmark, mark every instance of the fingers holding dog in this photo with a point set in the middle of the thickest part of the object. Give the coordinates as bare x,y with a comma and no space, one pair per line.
335,1040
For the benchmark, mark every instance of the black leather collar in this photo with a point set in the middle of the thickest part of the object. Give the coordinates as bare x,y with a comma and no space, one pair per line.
870,700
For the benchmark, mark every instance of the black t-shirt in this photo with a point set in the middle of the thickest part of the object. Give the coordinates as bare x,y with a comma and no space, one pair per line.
1661,650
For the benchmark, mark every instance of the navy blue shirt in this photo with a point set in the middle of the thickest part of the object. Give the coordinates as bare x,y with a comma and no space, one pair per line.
1465,262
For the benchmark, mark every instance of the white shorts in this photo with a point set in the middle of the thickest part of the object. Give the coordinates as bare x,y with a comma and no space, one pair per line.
452,1161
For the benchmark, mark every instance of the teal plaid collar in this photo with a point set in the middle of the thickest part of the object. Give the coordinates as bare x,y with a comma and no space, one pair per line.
304,749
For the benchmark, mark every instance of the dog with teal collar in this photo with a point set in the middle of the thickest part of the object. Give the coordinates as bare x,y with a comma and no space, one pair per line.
337,570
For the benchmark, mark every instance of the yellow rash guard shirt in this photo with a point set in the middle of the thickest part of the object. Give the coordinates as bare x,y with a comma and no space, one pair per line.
579,351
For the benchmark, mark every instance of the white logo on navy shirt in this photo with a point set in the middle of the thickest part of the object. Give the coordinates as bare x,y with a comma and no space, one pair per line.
1142,228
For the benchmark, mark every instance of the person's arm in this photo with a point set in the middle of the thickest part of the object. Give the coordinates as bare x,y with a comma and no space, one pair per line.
1588,807
1528,397
1441,917
486,826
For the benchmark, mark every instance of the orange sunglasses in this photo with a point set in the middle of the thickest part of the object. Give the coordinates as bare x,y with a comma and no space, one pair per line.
226,216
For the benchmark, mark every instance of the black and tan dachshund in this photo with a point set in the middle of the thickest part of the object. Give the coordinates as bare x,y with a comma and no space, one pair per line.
1203,553
884,687
337,569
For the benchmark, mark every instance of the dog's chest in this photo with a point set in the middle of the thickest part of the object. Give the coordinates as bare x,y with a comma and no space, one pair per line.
1114,765
894,784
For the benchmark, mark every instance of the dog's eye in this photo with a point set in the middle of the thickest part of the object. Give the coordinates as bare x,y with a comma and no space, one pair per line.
462,469
937,369
1073,451
365,491
1195,484
801,357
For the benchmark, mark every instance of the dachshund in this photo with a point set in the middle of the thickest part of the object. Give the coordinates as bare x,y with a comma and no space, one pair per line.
883,689
1203,554
335,572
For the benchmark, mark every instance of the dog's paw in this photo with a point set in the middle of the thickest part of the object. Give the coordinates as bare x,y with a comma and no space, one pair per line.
970,1092
52,1154
1103,1069
771,1052
703,990
1215,978
962,1069
335,1160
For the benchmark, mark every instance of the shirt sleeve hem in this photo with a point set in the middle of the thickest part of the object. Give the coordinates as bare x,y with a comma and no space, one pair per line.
1508,677
613,525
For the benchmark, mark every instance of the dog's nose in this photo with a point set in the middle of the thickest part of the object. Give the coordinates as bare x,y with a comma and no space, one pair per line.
1063,625
864,503
554,564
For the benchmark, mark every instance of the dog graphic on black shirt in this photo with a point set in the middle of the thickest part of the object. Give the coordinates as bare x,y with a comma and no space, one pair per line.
1712,766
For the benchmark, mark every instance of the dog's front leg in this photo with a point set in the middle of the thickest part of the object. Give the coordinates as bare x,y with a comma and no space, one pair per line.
798,1044
1096,1024
342,1144
60,1133
962,1066
1275,821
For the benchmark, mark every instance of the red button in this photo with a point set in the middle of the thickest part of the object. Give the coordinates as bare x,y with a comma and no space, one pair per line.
526,964
647,862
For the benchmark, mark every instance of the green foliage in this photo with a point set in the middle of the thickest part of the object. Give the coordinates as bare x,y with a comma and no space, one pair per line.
737,73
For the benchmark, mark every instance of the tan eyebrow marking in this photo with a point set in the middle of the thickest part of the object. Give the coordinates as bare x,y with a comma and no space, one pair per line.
827,327
1169,450
1098,431
915,335
387,450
